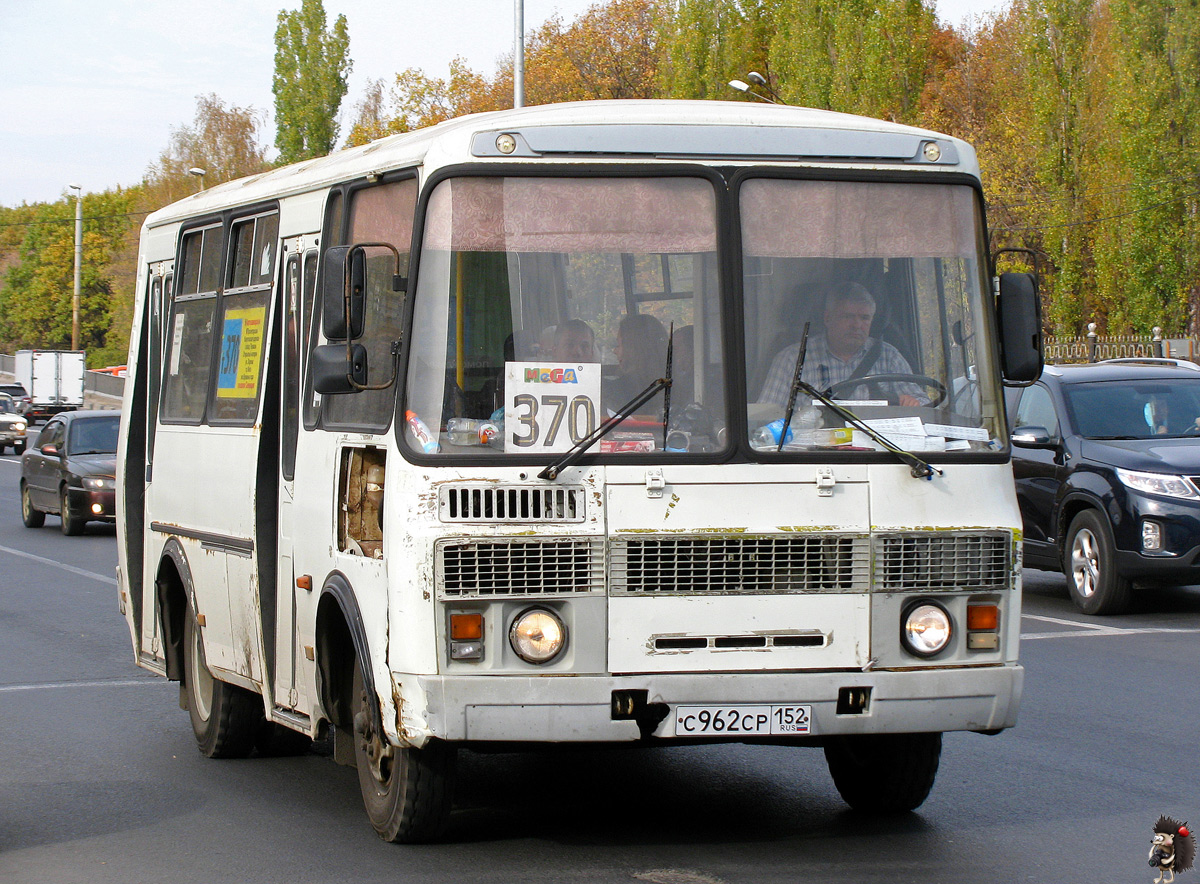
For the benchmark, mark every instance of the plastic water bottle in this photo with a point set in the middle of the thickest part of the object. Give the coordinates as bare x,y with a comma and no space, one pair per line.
425,439
768,436
469,431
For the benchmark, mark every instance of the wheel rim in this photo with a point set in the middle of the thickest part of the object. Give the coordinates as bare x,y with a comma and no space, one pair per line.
201,678
26,503
1085,563
377,752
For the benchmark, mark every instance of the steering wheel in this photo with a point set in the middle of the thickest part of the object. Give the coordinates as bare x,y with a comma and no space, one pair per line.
919,379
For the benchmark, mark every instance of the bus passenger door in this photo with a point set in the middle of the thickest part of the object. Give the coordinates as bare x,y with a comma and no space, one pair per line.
292,602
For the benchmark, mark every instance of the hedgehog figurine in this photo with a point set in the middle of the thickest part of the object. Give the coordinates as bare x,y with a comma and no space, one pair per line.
1172,850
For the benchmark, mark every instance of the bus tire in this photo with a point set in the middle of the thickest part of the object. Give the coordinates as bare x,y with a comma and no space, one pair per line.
407,792
884,773
72,524
225,719
30,515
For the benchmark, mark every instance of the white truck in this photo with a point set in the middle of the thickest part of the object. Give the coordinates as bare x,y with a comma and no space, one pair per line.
54,380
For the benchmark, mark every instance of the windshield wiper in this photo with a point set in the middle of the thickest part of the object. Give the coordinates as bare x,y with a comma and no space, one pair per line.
551,472
794,390
918,468
664,383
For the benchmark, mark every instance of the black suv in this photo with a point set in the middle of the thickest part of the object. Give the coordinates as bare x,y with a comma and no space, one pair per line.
1107,463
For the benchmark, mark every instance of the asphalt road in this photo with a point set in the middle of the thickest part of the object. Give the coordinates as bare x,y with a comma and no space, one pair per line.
100,780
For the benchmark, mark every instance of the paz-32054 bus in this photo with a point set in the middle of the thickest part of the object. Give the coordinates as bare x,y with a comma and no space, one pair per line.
540,427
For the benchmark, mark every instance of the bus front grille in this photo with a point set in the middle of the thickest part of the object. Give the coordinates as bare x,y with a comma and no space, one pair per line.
773,564
520,567
943,560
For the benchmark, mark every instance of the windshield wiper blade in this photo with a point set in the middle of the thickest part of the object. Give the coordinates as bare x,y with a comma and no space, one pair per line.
667,388
569,457
918,468
794,390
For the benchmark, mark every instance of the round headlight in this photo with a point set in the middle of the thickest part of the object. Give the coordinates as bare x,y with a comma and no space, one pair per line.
537,635
926,629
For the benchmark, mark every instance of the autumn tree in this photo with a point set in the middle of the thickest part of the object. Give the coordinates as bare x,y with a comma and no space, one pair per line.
311,69
222,140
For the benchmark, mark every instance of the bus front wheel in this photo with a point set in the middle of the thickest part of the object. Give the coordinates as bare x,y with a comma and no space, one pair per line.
407,791
884,773
225,719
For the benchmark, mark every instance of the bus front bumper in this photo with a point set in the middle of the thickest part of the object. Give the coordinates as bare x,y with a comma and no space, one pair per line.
580,709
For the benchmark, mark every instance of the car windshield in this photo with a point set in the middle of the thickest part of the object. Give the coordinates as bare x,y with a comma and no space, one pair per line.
96,435
6,405
1135,409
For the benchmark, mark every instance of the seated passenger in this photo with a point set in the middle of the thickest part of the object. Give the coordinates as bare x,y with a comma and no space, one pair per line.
641,352
573,341
836,353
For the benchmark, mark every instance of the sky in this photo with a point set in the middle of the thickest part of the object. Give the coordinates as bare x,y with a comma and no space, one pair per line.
91,89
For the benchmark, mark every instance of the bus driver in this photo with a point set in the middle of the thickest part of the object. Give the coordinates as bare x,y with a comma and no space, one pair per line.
842,351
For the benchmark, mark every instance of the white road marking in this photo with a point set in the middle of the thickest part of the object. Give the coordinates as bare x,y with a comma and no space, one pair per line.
1092,630
113,683
92,575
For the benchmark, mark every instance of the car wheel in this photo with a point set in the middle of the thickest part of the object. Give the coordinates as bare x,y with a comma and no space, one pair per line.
226,720
407,792
1090,563
884,773
3,446
30,515
72,524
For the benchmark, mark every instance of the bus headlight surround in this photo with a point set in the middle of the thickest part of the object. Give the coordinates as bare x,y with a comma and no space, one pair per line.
925,628
537,635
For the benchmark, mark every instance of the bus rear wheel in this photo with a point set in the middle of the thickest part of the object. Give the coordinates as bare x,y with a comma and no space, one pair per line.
407,792
884,773
225,719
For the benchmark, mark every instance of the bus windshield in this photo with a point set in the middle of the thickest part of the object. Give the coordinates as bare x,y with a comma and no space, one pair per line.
886,278
546,304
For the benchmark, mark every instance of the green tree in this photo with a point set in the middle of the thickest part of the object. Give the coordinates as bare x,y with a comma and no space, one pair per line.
36,294
311,67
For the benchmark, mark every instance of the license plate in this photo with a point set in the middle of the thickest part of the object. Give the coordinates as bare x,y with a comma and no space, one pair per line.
738,721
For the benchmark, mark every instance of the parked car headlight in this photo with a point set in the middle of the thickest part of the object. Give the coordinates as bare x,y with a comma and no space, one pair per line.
100,483
1158,483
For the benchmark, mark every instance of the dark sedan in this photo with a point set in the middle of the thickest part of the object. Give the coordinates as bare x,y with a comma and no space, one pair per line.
70,469
1107,463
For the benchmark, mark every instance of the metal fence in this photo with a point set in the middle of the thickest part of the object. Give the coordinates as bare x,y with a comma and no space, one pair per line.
1094,347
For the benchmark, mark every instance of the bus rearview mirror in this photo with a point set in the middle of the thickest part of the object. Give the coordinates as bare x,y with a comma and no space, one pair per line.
337,368
343,292
1020,324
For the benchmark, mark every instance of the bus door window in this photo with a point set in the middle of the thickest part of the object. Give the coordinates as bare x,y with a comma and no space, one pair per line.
243,319
360,514
189,344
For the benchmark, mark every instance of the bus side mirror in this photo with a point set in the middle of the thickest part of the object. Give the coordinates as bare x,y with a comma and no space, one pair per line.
343,292
1020,321
337,368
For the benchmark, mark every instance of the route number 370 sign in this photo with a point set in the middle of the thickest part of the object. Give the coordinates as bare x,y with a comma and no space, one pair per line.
549,406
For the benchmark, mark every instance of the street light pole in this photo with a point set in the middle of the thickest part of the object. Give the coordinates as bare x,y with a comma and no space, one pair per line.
519,55
78,263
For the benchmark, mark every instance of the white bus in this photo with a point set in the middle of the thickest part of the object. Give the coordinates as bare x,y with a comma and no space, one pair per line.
533,427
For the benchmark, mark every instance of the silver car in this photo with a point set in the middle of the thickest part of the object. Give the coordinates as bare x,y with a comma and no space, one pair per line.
12,425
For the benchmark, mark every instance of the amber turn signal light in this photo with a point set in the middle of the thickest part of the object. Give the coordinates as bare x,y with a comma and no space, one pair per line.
466,627
986,617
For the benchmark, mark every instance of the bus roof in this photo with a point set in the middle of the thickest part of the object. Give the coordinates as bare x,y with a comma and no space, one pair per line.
730,132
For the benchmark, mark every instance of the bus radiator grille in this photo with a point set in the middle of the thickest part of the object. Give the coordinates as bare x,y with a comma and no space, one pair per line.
520,567
943,560
510,504
741,564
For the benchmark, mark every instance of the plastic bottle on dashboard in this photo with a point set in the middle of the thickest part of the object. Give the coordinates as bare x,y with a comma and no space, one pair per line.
469,431
768,436
421,433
